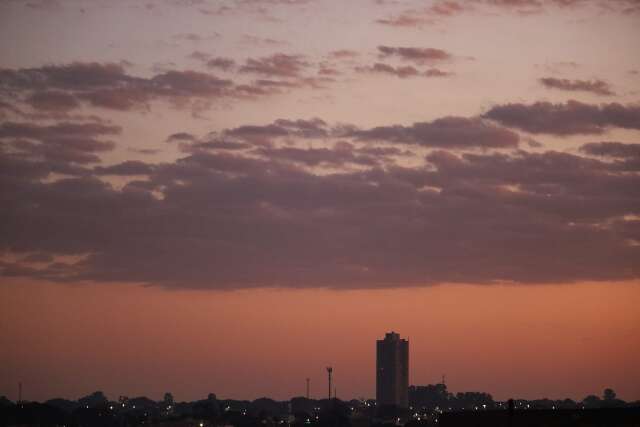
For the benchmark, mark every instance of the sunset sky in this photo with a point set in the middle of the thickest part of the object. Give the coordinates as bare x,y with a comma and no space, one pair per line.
205,196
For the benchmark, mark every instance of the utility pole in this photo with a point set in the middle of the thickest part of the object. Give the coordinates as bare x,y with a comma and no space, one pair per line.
329,371
308,388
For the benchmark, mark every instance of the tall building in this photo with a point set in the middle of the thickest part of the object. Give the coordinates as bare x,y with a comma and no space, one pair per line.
392,371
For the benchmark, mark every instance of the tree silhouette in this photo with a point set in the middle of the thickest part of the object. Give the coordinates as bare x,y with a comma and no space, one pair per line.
609,394
591,401
95,399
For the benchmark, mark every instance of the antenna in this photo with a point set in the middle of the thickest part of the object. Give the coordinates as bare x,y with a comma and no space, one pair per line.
20,392
443,383
308,388
329,371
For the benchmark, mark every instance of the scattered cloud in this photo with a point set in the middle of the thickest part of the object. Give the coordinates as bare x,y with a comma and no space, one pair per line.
431,15
224,64
181,137
446,132
337,156
313,128
598,87
570,118
276,65
434,72
612,149
344,54
380,68
401,71
416,55
442,10
126,168
262,41
625,156
61,88
52,100
61,147
144,151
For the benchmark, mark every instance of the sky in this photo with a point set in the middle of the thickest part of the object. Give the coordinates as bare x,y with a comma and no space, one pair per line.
205,196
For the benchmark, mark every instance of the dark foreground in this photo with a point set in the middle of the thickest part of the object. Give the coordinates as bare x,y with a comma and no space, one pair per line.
605,417
42,415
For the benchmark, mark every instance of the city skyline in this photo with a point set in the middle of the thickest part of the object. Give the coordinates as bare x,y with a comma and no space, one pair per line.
394,393
205,196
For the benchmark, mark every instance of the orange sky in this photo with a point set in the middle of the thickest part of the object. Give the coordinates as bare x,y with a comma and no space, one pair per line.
511,341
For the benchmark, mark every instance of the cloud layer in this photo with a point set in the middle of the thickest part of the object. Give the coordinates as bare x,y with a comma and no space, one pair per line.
570,118
598,87
61,88
302,203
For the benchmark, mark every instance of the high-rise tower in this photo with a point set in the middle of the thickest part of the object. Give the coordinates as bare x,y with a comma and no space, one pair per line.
392,371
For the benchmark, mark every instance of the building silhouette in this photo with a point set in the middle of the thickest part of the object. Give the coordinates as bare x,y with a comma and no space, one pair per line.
392,372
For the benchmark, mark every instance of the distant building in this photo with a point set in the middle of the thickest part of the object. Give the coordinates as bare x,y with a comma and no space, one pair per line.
429,396
392,372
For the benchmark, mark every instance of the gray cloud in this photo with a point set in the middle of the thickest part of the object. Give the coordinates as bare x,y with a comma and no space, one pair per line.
598,87
402,71
60,88
65,145
414,54
626,156
181,137
313,128
28,130
52,101
343,214
431,15
127,168
378,67
227,222
225,64
276,65
339,155
570,118
447,132
611,149
343,54
441,10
